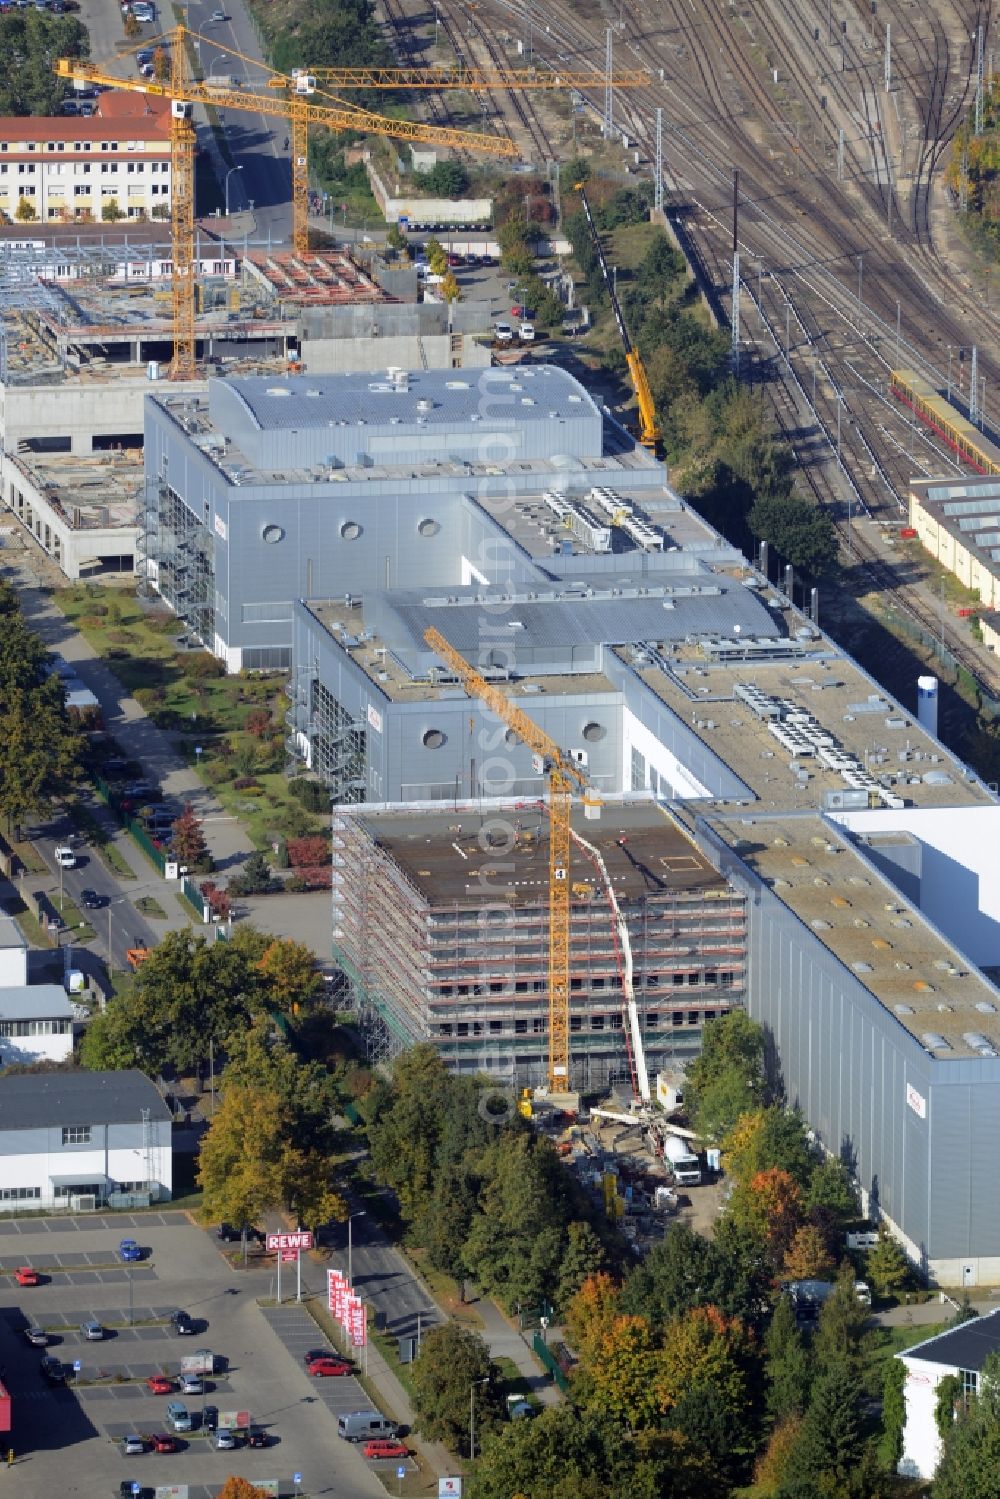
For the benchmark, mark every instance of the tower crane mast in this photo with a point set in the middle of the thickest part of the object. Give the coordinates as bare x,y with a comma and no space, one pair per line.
300,108
563,777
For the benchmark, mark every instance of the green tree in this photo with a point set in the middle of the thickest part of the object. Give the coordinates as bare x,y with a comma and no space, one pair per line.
768,1205
893,1414
396,239
886,1266
40,746
516,1238
583,1255
803,534
831,1191
770,1137
831,1439
110,211
452,1371
450,289
947,1398
254,878
727,1078
446,179
437,255
25,211
787,1364
841,1323
405,1127
187,994
623,1370
676,1275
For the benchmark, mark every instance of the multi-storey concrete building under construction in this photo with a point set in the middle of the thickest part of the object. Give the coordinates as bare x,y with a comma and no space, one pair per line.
441,920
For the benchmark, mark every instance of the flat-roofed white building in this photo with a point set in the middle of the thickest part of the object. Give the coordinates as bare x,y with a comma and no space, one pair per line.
72,1139
36,1024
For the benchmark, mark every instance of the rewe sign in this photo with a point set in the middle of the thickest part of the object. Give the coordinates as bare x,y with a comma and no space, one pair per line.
290,1241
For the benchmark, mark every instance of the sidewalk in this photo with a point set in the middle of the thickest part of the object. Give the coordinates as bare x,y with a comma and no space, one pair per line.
139,737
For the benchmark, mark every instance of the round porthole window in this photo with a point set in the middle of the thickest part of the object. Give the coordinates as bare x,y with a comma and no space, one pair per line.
271,534
433,739
350,530
593,732
428,527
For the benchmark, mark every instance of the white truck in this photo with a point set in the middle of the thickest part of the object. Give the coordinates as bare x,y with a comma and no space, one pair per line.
685,1166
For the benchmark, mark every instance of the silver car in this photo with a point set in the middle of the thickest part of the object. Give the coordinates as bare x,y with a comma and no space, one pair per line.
92,1331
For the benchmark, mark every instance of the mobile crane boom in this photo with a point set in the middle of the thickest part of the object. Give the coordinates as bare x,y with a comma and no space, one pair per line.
563,776
649,430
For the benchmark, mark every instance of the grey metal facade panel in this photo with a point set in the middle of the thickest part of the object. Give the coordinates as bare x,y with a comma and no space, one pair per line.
841,1056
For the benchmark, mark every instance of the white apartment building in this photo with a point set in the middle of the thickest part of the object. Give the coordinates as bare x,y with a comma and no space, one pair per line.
70,168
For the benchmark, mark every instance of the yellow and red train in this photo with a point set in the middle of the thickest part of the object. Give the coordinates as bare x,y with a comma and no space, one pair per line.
951,426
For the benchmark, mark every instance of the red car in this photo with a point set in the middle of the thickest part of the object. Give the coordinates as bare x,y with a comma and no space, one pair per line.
160,1384
327,1366
386,1447
25,1276
163,1442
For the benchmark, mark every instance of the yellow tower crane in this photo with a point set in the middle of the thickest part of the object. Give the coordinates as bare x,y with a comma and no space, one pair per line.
305,81
563,777
184,92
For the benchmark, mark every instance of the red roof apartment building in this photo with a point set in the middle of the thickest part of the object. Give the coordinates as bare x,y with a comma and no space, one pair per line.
70,168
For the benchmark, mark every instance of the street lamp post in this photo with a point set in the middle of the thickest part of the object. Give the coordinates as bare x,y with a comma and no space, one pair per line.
228,175
350,1246
472,1414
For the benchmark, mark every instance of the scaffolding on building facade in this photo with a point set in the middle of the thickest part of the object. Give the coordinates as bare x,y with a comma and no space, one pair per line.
470,977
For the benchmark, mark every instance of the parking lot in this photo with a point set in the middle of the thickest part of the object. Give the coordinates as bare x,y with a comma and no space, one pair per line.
67,1437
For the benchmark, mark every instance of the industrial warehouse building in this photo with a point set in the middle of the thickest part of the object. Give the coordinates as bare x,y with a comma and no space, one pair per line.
270,491
79,1139
958,521
780,832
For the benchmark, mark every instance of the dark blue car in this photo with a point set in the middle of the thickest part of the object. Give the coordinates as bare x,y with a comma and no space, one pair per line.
129,1250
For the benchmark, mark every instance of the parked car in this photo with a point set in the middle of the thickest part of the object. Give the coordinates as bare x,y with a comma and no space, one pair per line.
133,1445
219,15
178,1416
145,54
37,1337
91,900
385,1447
163,1442
25,1276
258,1438
223,1440
52,1369
92,1331
527,333
503,333
65,857
182,1323
160,1384
210,1418
192,1384
328,1367
129,1251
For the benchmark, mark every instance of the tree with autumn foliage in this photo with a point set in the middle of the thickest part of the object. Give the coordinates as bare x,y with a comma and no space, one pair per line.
591,1315
706,1348
769,1205
807,1257
187,842
241,1488
624,1373
773,1463
290,970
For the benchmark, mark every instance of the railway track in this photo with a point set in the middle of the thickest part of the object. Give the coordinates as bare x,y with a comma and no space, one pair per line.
525,119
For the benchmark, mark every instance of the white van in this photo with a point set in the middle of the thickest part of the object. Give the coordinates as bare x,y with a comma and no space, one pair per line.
363,1426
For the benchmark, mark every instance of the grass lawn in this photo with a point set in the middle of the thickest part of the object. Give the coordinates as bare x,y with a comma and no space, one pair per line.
148,905
206,713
